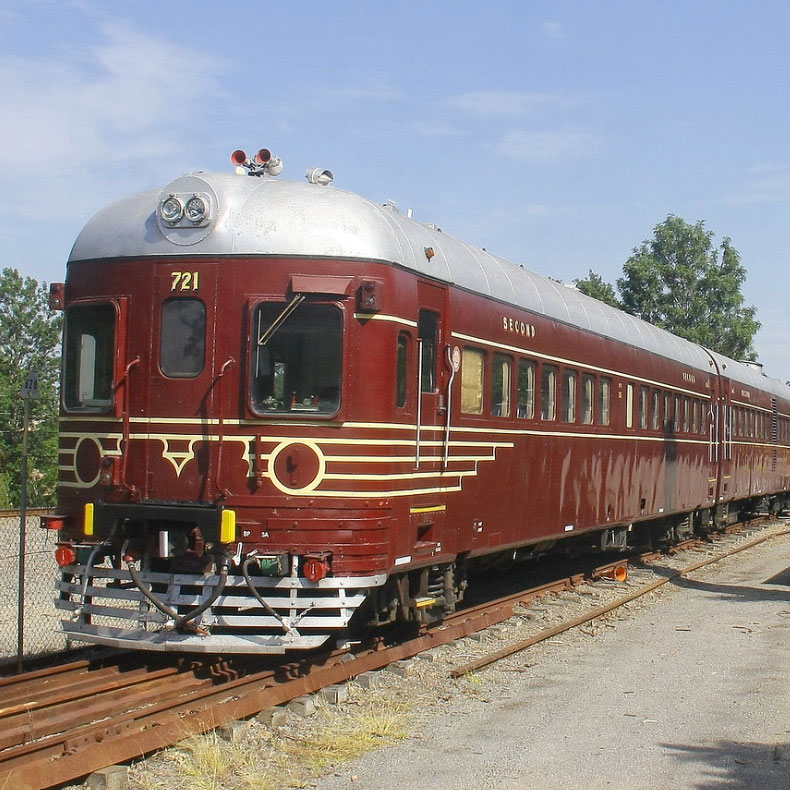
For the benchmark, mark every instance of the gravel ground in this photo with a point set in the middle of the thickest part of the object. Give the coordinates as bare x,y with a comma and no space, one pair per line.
689,688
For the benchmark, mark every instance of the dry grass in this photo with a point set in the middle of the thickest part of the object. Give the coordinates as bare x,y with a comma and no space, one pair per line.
273,760
205,762
345,735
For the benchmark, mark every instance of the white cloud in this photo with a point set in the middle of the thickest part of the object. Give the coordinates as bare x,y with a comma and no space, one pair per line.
128,99
436,129
552,29
374,91
544,147
503,103
763,184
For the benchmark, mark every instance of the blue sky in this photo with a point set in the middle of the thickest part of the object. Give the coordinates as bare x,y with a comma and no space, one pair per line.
555,134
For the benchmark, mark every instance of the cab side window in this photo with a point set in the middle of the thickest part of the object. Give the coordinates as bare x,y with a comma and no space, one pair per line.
427,331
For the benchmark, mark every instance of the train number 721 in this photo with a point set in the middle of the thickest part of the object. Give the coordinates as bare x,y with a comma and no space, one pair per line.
184,281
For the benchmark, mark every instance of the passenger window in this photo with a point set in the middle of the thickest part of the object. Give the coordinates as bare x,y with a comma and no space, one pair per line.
526,389
629,406
182,339
667,412
604,401
426,332
472,363
500,386
655,403
676,413
643,400
568,396
401,369
685,415
695,416
548,393
588,396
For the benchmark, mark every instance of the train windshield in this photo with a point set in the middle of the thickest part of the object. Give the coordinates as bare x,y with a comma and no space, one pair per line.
88,349
296,369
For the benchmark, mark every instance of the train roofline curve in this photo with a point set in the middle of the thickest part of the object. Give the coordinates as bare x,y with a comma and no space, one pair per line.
269,217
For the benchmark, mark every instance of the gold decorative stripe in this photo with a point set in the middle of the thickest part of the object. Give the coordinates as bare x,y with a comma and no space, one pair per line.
408,475
750,406
381,317
434,509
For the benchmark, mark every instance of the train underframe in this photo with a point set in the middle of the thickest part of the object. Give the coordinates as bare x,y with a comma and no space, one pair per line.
198,601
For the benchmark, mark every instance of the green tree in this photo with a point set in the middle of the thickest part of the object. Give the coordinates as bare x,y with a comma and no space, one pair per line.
680,281
29,338
594,285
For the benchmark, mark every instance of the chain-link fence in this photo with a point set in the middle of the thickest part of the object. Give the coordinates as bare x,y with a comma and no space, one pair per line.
41,619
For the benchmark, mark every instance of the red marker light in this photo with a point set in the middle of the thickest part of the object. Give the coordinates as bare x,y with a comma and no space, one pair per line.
263,156
316,566
65,555
314,570
238,158
53,522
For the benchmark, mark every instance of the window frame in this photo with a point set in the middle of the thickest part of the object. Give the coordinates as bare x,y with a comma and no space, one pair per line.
300,412
604,411
505,383
548,394
587,399
529,393
569,396
476,386
107,405
166,340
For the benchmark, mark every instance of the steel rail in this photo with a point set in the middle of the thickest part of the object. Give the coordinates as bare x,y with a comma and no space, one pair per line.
518,647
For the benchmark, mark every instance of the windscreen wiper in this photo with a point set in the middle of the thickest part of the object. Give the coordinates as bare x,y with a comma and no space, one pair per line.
280,320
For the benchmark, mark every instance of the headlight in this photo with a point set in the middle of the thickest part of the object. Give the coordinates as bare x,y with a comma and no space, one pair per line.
171,210
195,210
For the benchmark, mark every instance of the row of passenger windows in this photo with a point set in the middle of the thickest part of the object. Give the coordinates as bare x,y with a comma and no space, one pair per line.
529,390
752,424
783,430
660,410
549,392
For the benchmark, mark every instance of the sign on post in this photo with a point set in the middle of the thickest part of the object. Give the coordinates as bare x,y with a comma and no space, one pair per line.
30,389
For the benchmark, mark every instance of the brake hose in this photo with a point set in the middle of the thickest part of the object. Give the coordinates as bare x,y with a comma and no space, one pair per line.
182,620
281,620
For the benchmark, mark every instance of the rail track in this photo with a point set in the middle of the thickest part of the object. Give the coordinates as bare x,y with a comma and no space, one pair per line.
61,723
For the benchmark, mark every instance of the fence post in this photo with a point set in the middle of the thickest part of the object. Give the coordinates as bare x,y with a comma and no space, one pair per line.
27,393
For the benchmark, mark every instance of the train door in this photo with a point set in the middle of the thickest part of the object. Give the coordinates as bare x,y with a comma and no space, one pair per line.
720,440
431,372
427,517
187,385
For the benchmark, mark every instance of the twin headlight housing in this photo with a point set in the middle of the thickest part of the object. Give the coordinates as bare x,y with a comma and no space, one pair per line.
185,210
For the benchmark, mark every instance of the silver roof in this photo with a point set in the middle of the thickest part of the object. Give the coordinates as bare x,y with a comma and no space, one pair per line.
266,216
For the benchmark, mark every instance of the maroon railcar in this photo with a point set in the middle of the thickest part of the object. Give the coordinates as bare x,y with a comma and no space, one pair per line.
287,410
